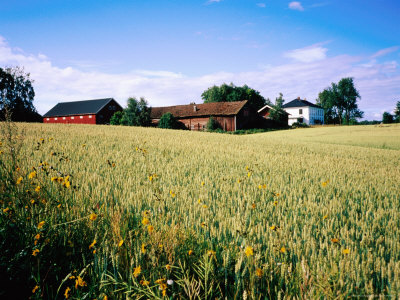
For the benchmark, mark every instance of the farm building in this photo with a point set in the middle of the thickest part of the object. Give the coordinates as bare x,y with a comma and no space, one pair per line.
266,110
230,116
303,111
98,111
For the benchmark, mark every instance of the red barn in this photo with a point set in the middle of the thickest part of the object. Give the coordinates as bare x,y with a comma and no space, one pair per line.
230,116
98,111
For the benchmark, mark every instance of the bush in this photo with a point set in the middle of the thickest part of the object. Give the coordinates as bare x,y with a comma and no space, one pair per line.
299,125
116,118
212,124
167,121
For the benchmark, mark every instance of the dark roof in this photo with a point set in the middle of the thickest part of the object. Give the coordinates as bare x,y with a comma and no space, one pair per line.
78,107
299,103
205,109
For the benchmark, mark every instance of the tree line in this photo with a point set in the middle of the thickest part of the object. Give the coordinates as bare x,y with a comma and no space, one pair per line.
339,102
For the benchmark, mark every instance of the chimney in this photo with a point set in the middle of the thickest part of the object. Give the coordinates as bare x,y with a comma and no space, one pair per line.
298,98
194,108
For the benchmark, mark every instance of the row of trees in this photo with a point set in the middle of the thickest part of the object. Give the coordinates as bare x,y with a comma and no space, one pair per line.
388,118
16,96
137,113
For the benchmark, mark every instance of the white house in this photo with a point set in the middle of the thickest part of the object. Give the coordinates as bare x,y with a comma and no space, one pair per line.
303,111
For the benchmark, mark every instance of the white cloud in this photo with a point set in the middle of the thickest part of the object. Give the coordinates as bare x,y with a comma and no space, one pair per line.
262,5
385,51
295,5
307,54
379,84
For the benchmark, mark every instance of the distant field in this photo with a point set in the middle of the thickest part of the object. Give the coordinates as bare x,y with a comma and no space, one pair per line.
306,212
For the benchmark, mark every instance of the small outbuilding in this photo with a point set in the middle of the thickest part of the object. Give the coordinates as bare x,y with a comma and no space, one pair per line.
98,111
230,116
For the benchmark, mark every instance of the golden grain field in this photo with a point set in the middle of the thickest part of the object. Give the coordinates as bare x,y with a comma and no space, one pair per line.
151,213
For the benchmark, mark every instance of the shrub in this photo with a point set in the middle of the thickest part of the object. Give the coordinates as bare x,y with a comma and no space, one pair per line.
212,124
167,121
299,125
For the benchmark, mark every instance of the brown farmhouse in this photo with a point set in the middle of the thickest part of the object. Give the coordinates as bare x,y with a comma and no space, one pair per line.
230,116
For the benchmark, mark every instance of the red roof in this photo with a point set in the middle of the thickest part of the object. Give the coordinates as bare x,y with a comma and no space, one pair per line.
199,110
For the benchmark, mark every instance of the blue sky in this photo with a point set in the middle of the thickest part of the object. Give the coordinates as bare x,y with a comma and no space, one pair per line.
171,51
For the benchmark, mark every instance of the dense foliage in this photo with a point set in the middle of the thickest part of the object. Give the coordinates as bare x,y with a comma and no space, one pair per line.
278,114
137,113
340,102
17,95
230,93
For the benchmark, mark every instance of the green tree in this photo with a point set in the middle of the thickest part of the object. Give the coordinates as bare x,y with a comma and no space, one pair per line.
116,118
397,112
387,118
137,113
230,93
278,114
212,124
167,121
340,102
17,95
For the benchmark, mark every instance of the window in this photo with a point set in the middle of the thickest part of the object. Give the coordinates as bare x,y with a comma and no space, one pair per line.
72,118
55,119
90,117
300,111
246,113
63,118
47,119
81,117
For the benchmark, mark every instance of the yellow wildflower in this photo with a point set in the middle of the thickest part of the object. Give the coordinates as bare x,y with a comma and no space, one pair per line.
137,271
190,252
66,184
120,243
41,224
211,253
143,248
202,183
79,282
35,252
92,244
346,251
6,210
253,206
32,175
248,174
35,289
59,205
325,183
275,203
277,194
54,179
37,189
168,267
60,179
164,291
32,201
335,240
260,187
203,224
238,181
93,217
264,186
37,236
66,293
105,297
205,206
144,282
273,227
146,213
150,178
150,228
19,180
199,201
172,194
160,281
283,250
249,251
145,221
325,217
259,272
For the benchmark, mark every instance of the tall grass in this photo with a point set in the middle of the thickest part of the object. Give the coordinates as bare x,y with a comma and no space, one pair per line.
150,213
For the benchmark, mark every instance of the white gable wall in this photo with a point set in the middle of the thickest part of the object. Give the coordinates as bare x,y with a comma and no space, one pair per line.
308,113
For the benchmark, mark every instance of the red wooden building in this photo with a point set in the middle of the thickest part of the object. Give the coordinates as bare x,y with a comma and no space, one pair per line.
230,116
98,111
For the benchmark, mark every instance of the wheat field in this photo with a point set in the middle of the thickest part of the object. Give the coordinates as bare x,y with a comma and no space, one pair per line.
148,213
